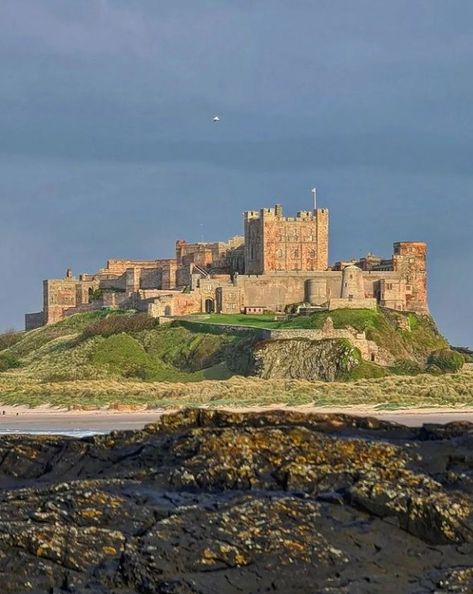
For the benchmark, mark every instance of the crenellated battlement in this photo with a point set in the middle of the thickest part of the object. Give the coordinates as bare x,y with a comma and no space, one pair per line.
280,261
276,212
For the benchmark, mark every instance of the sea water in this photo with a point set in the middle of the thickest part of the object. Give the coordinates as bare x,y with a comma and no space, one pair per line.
63,432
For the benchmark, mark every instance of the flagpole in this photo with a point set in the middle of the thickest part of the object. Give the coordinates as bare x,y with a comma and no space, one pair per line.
314,193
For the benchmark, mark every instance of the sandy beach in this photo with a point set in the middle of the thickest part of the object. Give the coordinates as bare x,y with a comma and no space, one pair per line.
44,419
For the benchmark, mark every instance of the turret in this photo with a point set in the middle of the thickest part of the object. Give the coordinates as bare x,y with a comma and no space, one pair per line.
352,283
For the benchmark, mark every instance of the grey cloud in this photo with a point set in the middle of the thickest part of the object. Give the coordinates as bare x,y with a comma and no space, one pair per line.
106,145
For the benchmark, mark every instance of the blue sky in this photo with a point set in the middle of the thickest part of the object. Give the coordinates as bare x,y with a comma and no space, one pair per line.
107,147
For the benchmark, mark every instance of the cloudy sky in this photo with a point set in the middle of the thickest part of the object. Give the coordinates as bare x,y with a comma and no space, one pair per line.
107,148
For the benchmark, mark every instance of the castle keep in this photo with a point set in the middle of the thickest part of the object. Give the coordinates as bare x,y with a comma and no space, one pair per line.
279,262
277,243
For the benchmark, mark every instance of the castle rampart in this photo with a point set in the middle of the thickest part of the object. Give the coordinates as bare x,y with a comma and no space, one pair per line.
280,262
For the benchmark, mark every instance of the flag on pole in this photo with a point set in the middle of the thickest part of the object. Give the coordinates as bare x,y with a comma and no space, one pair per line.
314,192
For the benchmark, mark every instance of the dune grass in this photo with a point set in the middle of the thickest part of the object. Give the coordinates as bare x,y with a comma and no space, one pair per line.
423,390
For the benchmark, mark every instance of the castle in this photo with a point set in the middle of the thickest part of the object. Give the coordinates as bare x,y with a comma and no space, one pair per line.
279,262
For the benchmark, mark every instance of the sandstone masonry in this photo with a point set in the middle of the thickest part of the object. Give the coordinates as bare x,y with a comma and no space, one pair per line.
279,262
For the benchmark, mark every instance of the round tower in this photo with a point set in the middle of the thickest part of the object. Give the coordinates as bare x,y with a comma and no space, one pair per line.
316,291
352,283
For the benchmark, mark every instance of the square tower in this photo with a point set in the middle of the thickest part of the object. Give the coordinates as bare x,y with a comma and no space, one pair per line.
274,243
410,259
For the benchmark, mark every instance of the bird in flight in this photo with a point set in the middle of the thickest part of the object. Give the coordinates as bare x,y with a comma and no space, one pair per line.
216,119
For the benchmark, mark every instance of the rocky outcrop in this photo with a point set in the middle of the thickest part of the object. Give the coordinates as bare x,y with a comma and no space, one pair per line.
208,501
300,358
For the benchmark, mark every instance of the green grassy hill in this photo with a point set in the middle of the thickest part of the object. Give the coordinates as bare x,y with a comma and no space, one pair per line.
116,352
100,345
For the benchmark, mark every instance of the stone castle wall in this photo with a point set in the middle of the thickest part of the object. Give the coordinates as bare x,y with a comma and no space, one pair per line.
352,304
286,262
34,320
205,253
118,267
64,294
177,304
277,290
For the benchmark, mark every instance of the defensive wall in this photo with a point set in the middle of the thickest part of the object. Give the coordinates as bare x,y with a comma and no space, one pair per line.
34,320
285,263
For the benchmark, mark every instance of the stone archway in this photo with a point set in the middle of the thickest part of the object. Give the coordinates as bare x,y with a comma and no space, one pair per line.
168,310
209,306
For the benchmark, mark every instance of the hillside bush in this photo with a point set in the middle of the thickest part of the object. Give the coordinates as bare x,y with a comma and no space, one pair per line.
8,361
186,350
121,354
367,370
406,367
465,352
9,338
445,360
116,324
33,340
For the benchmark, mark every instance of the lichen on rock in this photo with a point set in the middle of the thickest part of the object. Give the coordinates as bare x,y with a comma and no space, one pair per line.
210,501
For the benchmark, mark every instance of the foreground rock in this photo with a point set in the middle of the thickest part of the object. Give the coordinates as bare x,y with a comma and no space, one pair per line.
213,502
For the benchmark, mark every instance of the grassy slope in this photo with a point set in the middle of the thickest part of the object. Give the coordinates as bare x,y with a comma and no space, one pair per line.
381,326
79,362
62,352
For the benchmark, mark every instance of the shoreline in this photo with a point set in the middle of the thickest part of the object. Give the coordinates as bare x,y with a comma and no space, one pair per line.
46,419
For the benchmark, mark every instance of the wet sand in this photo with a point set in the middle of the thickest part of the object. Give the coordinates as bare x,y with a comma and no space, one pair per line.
47,420
18,419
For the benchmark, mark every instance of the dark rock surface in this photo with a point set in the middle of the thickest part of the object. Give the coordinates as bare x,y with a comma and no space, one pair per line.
214,502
